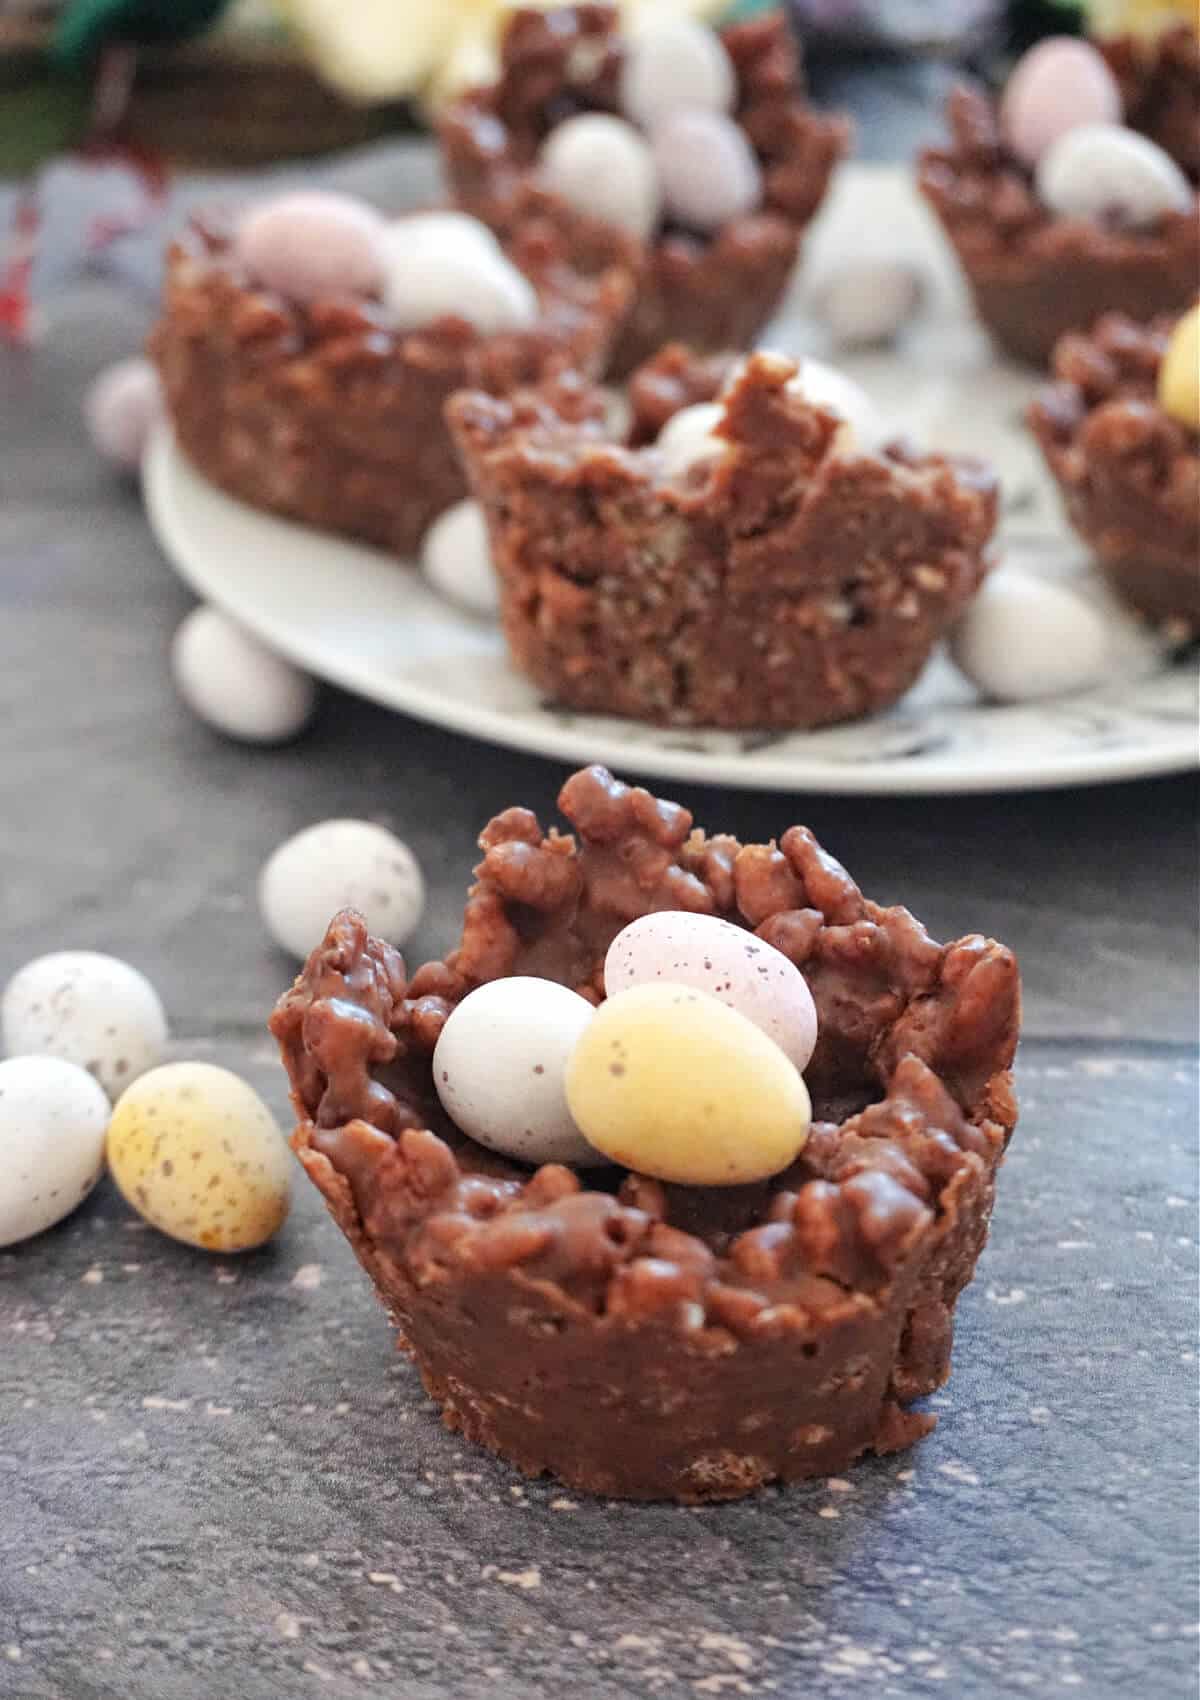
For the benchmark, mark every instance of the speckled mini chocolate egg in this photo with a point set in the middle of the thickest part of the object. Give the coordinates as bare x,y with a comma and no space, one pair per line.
456,560
52,1121
446,275
499,1067
1059,84
673,64
311,243
340,864
864,303
1179,373
87,1008
600,165
440,228
707,171
1103,171
195,1151
237,685
673,1083
120,408
728,962
1023,638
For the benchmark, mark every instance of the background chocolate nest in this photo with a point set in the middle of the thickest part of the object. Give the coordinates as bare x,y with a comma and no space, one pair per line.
843,1271
712,292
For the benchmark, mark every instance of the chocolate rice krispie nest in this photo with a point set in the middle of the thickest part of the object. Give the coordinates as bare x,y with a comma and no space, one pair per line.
712,292
1128,472
1035,275
791,582
634,1338
325,414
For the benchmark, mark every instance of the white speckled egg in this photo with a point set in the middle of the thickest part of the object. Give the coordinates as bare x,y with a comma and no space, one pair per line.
121,408
1106,171
334,865
236,684
863,303
727,962
448,274
672,64
500,1063
457,559
707,170
1023,638
85,1008
439,229
52,1121
601,166
195,1151
1058,85
311,243
687,439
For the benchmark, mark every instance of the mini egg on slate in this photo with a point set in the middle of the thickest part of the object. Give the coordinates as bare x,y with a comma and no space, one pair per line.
235,683
340,864
86,1008
707,170
121,408
499,1065
1179,374
456,559
1023,638
195,1151
688,438
1058,85
671,64
1103,171
446,274
728,962
52,1121
670,1082
600,165
313,242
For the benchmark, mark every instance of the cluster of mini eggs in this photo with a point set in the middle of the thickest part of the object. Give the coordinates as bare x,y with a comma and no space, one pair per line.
675,154
1061,116
690,1070
192,1148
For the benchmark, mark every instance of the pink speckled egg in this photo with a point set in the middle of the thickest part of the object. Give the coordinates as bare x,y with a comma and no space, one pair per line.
729,963
707,171
1057,86
121,408
313,243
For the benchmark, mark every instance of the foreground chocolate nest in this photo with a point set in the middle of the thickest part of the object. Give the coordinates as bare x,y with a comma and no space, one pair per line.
652,1341
1128,472
713,292
793,582
1035,275
325,414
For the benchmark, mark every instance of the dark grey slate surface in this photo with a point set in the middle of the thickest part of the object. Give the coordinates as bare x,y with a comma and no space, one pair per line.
216,1478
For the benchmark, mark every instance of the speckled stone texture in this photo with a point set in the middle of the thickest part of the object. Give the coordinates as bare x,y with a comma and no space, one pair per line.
301,1527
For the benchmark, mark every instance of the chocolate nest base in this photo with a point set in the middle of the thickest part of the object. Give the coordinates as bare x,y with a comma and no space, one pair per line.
326,415
1129,474
793,582
713,292
1035,276
642,1340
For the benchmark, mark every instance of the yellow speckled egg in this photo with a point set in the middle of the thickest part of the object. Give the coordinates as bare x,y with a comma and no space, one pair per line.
197,1153
670,1082
1179,374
